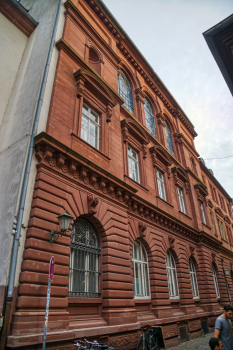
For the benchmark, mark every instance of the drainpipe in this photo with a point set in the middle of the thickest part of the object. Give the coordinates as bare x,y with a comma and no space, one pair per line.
24,188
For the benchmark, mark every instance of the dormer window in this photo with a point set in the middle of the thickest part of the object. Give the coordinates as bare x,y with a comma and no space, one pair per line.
150,120
125,91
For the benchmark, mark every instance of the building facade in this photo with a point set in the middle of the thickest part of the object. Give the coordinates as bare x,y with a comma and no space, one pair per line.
151,237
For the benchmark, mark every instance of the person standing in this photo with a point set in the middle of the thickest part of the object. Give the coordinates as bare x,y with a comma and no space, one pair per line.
223,328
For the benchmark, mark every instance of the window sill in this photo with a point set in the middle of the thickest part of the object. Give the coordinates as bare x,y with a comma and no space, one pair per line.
126,112
185,215
174,299
170,205
206,226
142,300
75,300
93,149
135,183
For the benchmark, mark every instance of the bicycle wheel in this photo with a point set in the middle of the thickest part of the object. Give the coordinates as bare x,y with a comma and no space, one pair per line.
140,345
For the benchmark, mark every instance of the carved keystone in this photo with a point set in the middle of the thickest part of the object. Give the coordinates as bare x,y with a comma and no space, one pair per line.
92,203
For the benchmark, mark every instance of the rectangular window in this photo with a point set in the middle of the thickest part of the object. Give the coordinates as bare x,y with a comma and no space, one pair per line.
202,213
90,126
181,199
161,185
221,229
133,164
213,224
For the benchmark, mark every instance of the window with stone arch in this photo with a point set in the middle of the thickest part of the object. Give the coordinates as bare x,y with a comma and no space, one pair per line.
150,119
172,276
125,91
140,272
169,138
215,281
193,277
84,275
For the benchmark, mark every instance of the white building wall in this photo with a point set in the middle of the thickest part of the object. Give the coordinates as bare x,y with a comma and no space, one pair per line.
17,123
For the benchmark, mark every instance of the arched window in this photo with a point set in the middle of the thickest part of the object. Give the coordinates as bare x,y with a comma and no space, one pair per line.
215,282
140,271
125,91
150,120
84,277
169,138
193,279
172,276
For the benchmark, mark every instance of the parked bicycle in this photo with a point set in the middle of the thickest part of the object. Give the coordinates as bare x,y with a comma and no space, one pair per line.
84,344
149,340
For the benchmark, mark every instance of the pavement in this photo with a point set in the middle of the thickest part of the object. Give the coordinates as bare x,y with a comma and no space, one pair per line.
201,343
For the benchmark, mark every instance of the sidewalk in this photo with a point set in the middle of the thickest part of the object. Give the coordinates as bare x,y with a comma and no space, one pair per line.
201,343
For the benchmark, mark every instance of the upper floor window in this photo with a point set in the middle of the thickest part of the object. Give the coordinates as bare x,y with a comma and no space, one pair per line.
193,279
221,229
161,185
215,282
125,91
84,276
169,138
172,276
150,120
181,199
213,224
133,164
140,271
202,213
90,126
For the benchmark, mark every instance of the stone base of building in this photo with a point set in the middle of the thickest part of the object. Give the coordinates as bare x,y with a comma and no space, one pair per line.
121,337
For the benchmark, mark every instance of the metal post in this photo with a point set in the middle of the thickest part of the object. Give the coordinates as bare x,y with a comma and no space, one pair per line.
46,314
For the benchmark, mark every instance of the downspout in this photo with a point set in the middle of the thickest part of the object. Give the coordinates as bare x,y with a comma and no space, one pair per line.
24,187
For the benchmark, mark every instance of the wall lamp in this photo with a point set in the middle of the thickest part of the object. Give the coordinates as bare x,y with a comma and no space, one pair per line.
64,221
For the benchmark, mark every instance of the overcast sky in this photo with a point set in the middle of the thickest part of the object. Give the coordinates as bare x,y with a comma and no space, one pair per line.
169,35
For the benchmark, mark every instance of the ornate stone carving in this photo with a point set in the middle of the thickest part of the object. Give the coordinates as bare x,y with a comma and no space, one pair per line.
171,241
60,160
109,114
142,229
144,150
64,168
125,133
52,162
92,203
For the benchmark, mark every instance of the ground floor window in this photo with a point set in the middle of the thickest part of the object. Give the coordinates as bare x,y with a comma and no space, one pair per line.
172,276
84,276
140,271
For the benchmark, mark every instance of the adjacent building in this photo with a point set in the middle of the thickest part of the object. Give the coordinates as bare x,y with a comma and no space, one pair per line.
151,237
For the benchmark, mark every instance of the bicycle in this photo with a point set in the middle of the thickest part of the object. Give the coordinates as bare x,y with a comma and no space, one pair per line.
84,344
148,340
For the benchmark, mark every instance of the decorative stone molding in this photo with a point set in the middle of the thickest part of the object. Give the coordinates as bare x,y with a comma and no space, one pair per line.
171,241
142,229
92,203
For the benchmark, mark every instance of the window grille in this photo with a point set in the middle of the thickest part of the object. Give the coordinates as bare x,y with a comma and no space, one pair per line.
161,185
90,126
133,164
215,282
181,200
150,119
204,326
125,91
169,139
140,271
84,276
172,276
202,213
193,279
183,333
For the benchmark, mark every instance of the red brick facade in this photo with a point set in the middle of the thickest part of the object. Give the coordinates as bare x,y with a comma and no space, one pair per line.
95,184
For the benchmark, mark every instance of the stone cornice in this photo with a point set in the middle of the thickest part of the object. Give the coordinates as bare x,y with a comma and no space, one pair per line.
55,157
17,14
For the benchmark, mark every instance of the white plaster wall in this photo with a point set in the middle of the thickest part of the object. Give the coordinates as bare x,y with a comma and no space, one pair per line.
13,43
16,128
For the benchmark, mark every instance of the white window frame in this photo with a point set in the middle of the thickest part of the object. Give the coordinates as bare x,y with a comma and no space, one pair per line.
133,161
215,282
161,185
172,277
193,277
202,213
181,200
85,134
142,267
